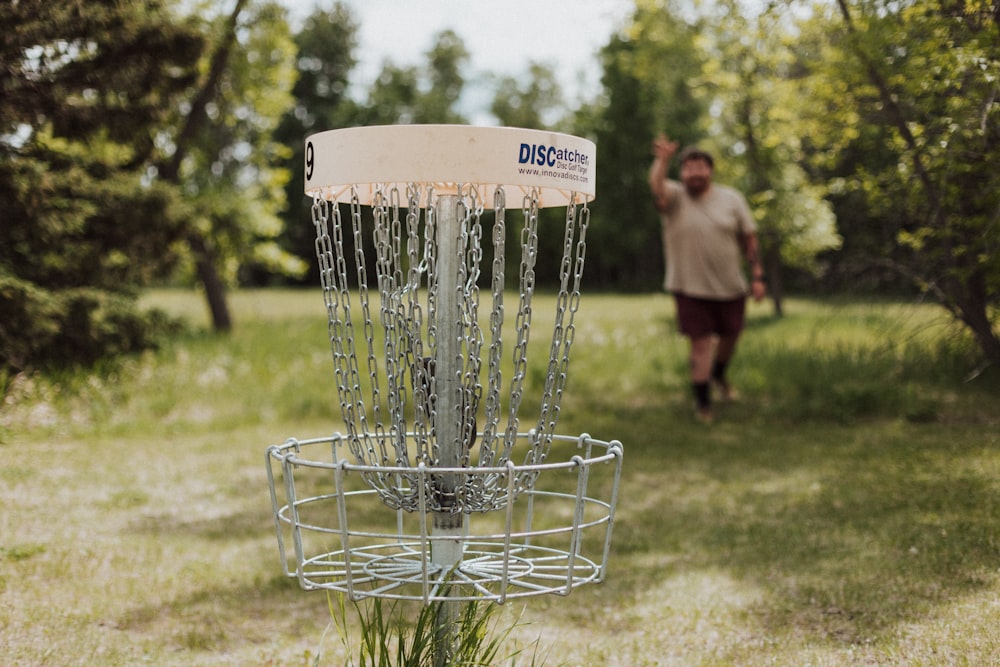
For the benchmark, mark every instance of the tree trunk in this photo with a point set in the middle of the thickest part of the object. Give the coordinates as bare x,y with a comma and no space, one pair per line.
970,302
204,258
215,289
771,259
988,341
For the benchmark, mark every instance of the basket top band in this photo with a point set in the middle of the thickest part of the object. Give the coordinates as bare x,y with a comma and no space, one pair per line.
448,158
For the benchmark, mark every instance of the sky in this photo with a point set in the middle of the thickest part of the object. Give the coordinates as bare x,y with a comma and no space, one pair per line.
503,37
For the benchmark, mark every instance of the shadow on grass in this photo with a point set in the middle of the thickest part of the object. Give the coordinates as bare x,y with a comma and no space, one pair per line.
226,618
846,531
842,532
851,490
248,524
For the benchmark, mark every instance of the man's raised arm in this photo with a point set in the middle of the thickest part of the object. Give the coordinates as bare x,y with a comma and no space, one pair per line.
663,152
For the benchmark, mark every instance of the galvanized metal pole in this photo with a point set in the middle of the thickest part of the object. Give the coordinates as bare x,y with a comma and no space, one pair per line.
449,526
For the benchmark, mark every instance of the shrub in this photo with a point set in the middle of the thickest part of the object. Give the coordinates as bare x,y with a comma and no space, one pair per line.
79,326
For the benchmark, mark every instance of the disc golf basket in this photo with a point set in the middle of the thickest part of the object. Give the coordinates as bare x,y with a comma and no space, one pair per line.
444,483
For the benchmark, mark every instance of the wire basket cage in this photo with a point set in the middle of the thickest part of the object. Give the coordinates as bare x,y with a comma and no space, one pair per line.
334,533
428,277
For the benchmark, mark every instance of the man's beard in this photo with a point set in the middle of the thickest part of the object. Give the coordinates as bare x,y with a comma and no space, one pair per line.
696,186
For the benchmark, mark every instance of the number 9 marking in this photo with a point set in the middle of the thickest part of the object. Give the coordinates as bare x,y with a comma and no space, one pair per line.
310,160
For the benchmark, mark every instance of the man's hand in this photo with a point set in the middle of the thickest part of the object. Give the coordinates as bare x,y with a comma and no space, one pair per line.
758,289
663,148
663,152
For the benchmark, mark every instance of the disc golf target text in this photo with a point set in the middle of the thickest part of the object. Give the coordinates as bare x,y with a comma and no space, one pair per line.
443,483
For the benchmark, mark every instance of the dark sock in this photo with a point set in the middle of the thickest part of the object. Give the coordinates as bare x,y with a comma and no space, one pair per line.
719,371
701,394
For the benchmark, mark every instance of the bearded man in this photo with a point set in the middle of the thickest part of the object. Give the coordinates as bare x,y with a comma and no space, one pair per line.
708,232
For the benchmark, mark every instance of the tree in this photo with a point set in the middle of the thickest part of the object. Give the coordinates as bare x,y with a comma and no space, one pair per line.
86,87
752,81
225,156
419,94
923,75
413,94
528,104
325,58
445,61
647,74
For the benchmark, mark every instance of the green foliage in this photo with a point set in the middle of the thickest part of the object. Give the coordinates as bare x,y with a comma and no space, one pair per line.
324,59
880,113
428,93
646,89
749,73
445,61
917,85
234,170
107,182
71,326
399,95
531,103
391,635
83,68
86,88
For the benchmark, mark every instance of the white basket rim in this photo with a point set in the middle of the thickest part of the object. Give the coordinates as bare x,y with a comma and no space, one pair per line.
450,158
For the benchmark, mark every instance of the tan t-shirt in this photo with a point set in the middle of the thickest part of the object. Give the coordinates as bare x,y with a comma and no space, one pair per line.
702,242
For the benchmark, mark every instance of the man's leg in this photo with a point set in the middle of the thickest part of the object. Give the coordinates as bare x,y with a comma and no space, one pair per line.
729,322
701,372
723,353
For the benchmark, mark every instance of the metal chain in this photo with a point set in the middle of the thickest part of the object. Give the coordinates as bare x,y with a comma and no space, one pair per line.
472,235
417,265
337,297
522,323
395,427
567,304
488,449
385,235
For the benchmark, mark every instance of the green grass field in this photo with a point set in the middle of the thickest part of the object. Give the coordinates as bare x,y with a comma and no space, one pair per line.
846,511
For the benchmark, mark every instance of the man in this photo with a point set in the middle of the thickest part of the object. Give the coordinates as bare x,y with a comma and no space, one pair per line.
707,232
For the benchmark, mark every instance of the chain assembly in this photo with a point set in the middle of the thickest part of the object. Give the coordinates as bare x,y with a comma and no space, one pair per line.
386,336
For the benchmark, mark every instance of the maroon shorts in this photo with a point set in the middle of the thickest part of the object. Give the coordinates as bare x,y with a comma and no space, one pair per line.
704,317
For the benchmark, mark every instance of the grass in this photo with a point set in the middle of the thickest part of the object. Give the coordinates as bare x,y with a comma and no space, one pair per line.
407,634
844,512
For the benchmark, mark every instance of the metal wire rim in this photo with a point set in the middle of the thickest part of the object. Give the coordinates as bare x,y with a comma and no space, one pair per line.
506,562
